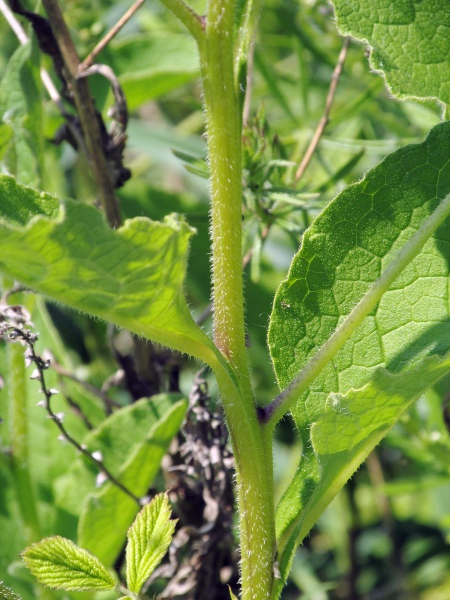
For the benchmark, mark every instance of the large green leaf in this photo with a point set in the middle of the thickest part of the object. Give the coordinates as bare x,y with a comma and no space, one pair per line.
21,109
343,254
410,42
132,277
111,505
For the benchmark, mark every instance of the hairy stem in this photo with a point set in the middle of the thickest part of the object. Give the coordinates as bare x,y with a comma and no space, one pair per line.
251,445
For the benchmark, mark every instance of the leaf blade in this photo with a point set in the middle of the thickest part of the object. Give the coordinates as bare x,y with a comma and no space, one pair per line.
111,505
409,41
58,563
132,276
342,255
148,540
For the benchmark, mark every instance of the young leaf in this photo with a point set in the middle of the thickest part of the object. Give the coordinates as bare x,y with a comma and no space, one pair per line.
148,540
132,277
410,43
343,254
7,594
111,505
60,564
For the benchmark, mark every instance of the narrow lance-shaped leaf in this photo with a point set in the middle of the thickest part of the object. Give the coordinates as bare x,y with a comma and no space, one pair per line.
60,564
343,255
410,42
132,277
148,540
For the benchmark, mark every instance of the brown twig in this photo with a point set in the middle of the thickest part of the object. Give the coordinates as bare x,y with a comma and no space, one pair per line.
86,113
19,333
326,115
87,62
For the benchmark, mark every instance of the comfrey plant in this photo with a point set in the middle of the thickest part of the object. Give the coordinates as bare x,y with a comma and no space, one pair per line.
359,328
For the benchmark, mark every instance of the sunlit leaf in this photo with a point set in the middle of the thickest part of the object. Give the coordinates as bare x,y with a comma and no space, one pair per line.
60,564
345,251
148,540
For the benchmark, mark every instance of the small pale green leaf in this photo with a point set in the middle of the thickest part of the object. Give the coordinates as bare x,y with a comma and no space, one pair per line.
6,593
132,277
60,564
343,254
111,505
148,540
410,41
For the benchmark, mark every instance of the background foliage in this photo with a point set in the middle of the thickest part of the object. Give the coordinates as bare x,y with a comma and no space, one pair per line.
386,534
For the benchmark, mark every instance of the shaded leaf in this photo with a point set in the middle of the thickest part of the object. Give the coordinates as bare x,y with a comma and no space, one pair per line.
148,540
60,564
112,438
151,64
111,505
21,110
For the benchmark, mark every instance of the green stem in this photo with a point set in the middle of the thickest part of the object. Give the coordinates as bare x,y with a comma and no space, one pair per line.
251,445
275,411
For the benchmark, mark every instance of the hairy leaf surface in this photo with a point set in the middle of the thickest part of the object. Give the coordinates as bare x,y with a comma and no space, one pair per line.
132,277
60,564
345,251
410,41
6,593
148,540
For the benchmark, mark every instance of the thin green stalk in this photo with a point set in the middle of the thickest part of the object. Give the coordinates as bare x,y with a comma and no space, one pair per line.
187,15
251,445
17,388
280,406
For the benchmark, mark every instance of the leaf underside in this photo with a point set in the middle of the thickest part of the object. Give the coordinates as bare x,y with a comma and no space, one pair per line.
398,350
132,277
